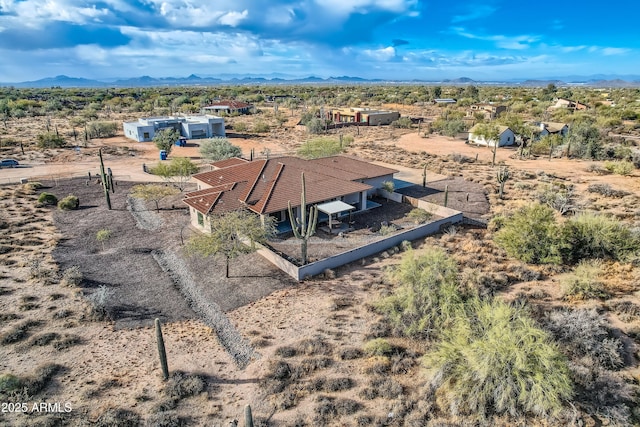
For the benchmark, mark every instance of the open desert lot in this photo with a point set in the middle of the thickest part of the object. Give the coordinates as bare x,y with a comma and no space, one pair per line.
521,287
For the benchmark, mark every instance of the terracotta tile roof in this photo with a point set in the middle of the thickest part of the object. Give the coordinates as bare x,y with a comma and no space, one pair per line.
354,166
266,186
228,162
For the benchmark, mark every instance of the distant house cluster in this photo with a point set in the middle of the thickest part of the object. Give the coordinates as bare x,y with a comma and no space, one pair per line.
488,111
227,107
267,186
364,116
190,127
444,101
552,128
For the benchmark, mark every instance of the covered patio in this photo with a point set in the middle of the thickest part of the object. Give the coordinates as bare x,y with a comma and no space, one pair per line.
330,209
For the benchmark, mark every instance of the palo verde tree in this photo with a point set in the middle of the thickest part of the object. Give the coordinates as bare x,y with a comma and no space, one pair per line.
165,138
178,172
232,234
219,149
491,134
153,193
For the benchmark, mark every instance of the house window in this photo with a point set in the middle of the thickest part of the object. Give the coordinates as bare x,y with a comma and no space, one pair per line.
280,216
200,219
145,135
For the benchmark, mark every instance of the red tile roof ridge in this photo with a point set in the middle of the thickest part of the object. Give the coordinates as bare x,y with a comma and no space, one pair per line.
265,199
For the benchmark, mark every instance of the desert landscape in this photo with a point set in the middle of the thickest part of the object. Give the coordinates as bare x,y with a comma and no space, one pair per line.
80,288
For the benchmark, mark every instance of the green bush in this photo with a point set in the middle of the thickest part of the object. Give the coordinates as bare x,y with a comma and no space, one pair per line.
590,235
219,149
402,122
69,203
531,235
261,127
47,199
428,295
321,147
50,140
584,281
9,384
494,359
619,167
378,347
240,127
420,216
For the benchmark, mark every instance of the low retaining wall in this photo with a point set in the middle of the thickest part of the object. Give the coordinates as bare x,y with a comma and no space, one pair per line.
314,268
430,207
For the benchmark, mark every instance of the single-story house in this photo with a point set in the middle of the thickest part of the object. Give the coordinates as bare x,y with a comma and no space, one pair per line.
362,115
568,103
505,137
553,128
489,111
227,107
191,127
267,186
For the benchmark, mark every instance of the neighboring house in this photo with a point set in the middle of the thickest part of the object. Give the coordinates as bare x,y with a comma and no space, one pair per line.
444,101
362,115
552,128
489,111
571,105
227,107
505,137
267,186
191,127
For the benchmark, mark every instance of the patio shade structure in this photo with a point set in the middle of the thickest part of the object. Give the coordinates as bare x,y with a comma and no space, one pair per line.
336,206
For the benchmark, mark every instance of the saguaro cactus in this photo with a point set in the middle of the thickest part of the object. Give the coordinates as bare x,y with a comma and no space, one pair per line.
424,176
105,180
446,195
248,418
502,176
161,351
303,228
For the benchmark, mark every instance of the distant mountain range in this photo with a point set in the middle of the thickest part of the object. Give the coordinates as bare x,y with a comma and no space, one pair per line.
193,80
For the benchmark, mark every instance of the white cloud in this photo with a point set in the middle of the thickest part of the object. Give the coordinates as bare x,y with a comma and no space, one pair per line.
505,42
614,51
383,54
34,13
346,7
478,11
232,19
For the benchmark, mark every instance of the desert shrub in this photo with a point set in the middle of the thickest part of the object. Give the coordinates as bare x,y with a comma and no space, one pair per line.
240,127
18,332
99,300
41,378
495,359
50,140
102,129
420,216
378,347
10,384
531,235
590,235
403,123
584,333
47,199
584,281
605,190
350,353
559,197
313,346
321,147
428,295
72,276
386,230
602,393
182,385
118,418
619,167
69,203
218,149
166,419
386,388
460,158
261,127
43,339
285,351
331,384
627,311
66,341
328,408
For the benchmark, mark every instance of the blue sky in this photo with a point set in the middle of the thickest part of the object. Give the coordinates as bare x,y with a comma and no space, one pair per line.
389,39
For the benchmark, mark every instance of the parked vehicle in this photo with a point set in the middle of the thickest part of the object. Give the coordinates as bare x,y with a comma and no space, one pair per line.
8,163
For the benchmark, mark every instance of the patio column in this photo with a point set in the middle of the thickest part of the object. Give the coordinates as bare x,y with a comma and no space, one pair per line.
363,200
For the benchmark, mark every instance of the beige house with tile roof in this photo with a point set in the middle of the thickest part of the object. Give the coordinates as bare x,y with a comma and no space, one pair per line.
267,186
